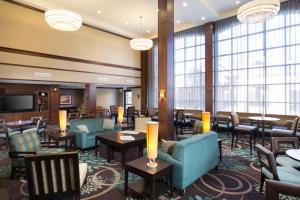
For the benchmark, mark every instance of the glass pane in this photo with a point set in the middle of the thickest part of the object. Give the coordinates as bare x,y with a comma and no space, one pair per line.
239,61
256,59
275,93
275,38
190,41
275,56
224,93
239,45
224,78
256,42
200,51
292,35
256,93
256,76
275,22
292,56
293,74
240,93
179,55
223,106
256,107
293,93
240,77
239,30
200,66
190,67
240,106
179,68
224,34
179,42
275,75
179,81
190,53
255,28
224,47
224,63
275,108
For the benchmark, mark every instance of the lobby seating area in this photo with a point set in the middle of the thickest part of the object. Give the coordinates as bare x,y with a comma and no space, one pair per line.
149,99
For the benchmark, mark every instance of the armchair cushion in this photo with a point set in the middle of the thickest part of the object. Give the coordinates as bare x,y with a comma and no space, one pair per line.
281,132
198,127
245,128
285,174
167,146
108,124
83,128
26,141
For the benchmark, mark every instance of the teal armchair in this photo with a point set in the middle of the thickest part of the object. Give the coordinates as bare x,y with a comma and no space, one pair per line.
192,158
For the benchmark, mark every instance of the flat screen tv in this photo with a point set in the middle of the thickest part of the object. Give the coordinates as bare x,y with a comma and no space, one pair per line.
16,103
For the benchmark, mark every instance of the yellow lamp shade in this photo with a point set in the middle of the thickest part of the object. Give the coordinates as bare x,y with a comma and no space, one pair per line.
63,120
120,114
152,139
206,121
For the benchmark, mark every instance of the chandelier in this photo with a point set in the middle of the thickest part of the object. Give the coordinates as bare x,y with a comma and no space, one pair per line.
141,44
63,20
258,11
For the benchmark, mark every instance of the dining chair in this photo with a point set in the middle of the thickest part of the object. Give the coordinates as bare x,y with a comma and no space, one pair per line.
286,132
274,188
41,128
130,115
239,129
3,132
279,147
270,171
55,176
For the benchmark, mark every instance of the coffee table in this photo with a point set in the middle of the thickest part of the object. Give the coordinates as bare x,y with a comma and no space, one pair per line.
114,143
149,186
69,138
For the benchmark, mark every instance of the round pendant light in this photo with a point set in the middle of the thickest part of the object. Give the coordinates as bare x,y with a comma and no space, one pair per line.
258,11
63,20
141,44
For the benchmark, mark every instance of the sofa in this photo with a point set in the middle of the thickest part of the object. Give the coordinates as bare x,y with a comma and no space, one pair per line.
95,126
192,158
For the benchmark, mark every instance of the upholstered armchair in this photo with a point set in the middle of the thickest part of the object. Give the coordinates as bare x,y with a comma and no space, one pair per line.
270,171
279,145
223,123
24,144
286,132
55,176
238,129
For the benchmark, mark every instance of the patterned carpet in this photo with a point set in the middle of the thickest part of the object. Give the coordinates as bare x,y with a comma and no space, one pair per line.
237,177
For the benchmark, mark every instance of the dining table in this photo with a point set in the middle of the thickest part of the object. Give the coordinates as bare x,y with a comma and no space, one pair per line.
294,154
20,124
262,120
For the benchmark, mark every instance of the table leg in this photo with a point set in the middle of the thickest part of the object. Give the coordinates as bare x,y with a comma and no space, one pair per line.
171,183
152,193
123,158
96,147
126,183
140,150
108,153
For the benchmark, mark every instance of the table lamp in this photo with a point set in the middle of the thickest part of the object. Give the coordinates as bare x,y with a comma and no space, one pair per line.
206,121
120,114
152,142
63,121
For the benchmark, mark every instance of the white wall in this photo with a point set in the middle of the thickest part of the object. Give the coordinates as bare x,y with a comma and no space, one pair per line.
136,98
107,97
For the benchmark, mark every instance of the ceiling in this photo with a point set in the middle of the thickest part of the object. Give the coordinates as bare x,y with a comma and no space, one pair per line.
122,16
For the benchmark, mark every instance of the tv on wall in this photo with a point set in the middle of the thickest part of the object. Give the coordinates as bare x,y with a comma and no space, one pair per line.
16,103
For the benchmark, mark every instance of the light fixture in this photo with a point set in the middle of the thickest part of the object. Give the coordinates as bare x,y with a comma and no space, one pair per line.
63,20
126,23
184,4
206,121
237,2
152,143
99,12
148,31
178,21
203,18
120,114
63,121
141,44
162,94
258,11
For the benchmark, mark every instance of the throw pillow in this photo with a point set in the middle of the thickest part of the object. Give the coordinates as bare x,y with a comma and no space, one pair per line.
108,124
83,128
167,146
198,127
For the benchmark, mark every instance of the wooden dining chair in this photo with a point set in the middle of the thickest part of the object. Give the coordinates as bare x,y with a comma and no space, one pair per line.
274,188
286,132
55,176
179,120
279,147
239,129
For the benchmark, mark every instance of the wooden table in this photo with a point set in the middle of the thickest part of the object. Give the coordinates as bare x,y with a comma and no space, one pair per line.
19,124
261,120
149,187
294,153
114,143
69,138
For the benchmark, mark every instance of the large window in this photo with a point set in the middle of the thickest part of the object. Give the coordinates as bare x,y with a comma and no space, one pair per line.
257,67
189,69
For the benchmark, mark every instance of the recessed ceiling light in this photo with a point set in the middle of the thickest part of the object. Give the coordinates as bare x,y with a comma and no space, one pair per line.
203,18
148,31
99,12
177,21
157,10
237,2
126,23
184,4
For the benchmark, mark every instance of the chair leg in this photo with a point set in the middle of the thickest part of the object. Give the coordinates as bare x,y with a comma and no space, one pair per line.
12,173
236,140
262,181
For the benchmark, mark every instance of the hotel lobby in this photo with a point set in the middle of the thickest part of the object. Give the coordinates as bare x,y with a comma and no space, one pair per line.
149,99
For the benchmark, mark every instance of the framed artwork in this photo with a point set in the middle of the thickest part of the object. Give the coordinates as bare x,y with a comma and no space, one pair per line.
65,99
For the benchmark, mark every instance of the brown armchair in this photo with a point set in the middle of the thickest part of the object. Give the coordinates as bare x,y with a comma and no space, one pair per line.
270,171
274,188
238,129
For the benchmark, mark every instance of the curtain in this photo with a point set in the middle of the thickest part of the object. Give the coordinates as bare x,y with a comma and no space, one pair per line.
256,65
152,81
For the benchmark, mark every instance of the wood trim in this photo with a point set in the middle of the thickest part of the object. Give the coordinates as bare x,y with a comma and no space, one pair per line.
208,31
65,58
84,23
69,70
144,76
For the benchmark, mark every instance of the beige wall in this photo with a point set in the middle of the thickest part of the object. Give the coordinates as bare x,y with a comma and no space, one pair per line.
25,29
107,97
